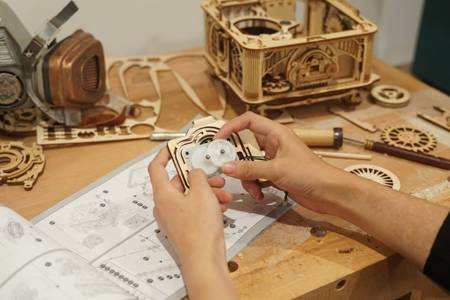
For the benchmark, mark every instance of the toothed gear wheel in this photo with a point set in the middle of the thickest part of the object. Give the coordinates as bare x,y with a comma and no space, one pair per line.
390,96
334,24
376,174
409,138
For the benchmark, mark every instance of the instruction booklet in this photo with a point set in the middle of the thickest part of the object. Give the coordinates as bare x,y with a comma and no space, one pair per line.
104,243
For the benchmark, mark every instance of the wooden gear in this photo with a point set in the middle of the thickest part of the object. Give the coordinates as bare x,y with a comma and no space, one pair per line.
390,96
272,61
409,138
376,174
442,121
20,164
21,121
203,132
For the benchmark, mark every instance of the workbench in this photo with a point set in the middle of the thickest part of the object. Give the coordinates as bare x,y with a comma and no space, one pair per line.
285,261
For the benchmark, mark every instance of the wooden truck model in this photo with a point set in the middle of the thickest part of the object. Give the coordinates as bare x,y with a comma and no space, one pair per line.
273,59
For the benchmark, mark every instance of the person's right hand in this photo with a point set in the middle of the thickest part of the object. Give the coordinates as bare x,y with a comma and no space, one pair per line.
291,165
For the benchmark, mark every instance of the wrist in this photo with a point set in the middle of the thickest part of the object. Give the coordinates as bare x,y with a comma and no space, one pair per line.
204,257
342,192
208,270
202,265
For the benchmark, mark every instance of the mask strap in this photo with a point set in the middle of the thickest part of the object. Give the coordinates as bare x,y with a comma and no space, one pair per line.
48,33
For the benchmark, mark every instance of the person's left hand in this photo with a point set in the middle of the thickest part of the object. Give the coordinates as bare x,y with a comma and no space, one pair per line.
193,222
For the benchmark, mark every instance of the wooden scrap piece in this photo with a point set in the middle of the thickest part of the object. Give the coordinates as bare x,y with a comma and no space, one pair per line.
20,164
361,124
157,64
442,121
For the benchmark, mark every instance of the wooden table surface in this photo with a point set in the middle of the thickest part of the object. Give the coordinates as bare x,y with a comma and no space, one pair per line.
285,261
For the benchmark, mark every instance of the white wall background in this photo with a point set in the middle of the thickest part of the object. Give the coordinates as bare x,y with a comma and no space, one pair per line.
157,26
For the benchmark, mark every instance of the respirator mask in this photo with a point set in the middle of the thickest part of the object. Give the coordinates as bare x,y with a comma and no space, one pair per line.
66,80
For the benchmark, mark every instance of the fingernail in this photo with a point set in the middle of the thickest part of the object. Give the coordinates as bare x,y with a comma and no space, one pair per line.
229,168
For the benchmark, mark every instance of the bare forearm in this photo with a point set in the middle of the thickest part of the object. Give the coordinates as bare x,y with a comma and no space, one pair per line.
404,223
208,279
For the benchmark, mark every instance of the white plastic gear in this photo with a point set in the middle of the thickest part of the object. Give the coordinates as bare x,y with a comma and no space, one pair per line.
221,152
409,138
199,160
376,174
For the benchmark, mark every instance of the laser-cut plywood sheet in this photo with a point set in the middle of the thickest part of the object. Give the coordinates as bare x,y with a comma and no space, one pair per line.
110,224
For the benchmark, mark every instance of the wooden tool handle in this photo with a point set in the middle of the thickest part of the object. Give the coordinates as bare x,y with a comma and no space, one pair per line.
321,137
435,161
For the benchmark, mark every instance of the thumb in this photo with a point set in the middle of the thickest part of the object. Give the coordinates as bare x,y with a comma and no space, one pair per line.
248,170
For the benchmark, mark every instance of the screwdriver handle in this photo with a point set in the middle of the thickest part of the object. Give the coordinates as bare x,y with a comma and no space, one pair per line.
427,159
333,137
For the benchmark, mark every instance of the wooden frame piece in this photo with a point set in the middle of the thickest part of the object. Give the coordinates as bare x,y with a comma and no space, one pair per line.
157,64
442,121
20,164
361,124
49,133
272,61
203,132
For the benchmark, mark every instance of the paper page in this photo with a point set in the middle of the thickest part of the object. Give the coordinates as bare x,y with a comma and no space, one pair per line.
34,267
111,224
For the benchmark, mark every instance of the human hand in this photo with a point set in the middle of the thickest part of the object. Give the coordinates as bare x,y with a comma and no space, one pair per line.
193,222
291,165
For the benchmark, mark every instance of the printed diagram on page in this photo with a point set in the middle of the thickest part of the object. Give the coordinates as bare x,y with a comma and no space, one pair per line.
112,226
36,267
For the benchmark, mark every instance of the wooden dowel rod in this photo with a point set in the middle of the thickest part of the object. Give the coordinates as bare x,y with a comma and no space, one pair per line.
343,155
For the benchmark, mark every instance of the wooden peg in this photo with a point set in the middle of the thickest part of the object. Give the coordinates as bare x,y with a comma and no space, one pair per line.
343,155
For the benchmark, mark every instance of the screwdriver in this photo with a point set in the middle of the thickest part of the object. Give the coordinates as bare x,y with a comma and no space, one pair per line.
423,158
333,137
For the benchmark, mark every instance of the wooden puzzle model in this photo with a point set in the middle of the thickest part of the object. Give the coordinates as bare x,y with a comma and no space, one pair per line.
272,60
199,150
